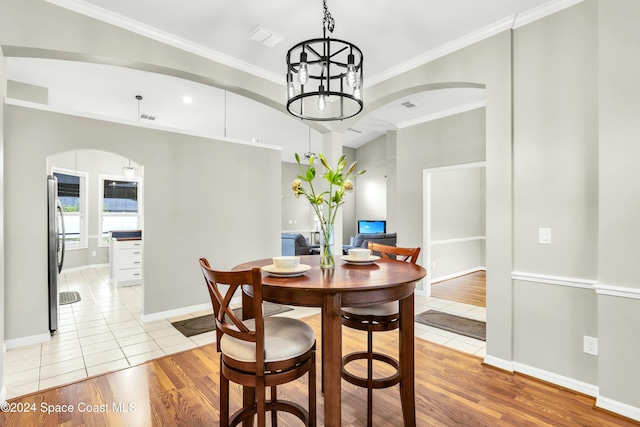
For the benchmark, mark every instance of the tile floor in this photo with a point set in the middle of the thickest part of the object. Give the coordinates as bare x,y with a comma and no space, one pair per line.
103,332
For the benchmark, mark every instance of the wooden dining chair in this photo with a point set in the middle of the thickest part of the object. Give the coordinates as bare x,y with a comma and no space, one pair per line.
376,318
259,352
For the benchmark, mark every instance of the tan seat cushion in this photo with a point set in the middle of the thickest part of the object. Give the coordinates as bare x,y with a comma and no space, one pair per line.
284,338
384,309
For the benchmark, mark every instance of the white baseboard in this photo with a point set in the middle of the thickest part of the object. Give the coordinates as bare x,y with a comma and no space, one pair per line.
25,341
607,404
3,394
619,408
457,274
499,363
560,380
161,315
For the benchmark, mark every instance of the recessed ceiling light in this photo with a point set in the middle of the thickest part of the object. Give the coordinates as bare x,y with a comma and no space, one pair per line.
187,100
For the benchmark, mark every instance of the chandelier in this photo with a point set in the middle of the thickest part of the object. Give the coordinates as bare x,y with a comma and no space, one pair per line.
324,77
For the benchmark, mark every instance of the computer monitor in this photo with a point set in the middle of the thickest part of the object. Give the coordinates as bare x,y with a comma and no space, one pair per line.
371,226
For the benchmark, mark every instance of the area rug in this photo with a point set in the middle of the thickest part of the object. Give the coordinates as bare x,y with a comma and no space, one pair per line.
207,323
452,323
69,297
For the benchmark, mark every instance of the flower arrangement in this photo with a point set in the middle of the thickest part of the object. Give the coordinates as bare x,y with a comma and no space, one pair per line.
340,182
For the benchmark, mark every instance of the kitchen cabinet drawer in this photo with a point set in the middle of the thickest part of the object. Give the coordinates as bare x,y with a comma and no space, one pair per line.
130,253
129,244
125,262
130,275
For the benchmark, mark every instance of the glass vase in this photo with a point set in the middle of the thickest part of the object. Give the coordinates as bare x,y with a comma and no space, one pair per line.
327,260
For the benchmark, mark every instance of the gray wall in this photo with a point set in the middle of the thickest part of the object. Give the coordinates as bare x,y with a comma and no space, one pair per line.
3,88
561,93
94,163
371,198
486,63
298,210
27,92
457,212
573,156
453,140
196,204
619,202
555,182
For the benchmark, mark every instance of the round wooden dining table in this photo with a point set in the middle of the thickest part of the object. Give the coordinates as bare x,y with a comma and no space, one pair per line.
350,285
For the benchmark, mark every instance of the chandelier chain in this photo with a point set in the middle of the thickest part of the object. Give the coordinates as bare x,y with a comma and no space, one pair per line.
328,22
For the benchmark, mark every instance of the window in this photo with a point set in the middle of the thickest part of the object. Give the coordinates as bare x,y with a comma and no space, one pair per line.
119,205
72,193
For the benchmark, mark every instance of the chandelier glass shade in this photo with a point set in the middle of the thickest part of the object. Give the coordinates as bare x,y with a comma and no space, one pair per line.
324,77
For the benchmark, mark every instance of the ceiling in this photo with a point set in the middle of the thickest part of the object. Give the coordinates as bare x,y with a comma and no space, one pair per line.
394,37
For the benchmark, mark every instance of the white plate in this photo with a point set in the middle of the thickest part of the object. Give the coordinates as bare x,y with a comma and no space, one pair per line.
370,260
278,272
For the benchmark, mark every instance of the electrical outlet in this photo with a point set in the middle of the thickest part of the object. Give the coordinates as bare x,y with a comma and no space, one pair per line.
591,345
433,265
93,253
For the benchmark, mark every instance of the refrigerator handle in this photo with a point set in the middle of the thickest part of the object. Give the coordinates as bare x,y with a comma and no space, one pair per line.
59,208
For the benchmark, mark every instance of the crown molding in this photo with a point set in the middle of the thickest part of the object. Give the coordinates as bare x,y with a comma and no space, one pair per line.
128,24
543,11
511,22
443,50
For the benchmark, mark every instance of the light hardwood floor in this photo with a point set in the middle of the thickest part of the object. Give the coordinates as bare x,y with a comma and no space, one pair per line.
468,289
452,389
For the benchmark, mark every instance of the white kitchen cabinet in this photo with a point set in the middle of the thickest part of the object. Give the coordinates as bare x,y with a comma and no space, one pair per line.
125,261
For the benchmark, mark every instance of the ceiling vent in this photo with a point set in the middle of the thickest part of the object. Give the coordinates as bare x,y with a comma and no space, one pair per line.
409,104
265,37
354,130
147,117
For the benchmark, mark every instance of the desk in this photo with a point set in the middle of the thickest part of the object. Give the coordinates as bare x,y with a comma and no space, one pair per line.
350,285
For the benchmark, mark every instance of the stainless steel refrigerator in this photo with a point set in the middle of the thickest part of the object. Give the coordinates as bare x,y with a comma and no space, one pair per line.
56,249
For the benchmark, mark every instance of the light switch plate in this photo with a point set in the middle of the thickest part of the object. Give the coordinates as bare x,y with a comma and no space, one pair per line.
544,236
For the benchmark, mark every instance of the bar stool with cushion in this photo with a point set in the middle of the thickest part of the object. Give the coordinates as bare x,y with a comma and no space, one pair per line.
376,318
259,352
